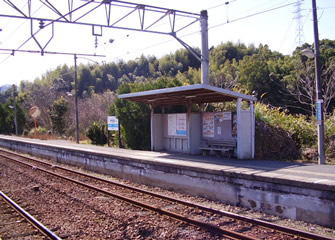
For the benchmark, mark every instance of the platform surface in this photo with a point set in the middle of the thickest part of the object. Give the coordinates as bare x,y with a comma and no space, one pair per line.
287,171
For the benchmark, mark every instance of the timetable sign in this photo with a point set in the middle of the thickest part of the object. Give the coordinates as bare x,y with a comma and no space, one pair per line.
112,123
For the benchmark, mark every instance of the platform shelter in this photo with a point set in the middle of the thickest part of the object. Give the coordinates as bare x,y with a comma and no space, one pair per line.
200,132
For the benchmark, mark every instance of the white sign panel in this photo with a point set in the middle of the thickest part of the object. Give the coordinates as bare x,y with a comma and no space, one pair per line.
172,128
112,123
221,116
177,124
35,112
181,125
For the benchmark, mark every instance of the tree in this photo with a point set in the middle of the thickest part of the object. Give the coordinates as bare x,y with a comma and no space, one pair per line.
3,117
91,109
20,116
302,85
57,115
42,96
96,132
229,51
226,77
255,76
328,85
169,66
142,68
84,79
301,79
135,122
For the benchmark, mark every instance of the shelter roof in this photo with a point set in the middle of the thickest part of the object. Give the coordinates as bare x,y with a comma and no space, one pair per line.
197,93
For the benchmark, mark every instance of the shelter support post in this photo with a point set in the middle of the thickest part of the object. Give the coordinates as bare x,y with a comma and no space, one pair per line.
239,132
252,110
152,127
189,124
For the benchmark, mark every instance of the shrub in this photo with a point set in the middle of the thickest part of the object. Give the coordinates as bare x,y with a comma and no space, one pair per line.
302,131
57,115
96,133
274,143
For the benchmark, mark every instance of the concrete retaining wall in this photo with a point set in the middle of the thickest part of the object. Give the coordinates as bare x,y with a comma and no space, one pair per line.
298,201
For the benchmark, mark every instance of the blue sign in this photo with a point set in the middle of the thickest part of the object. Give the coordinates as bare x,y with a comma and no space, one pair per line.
112,123
318,111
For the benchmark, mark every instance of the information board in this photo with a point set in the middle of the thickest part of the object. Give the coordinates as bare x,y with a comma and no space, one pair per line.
112,123
208,124
181,125
177,124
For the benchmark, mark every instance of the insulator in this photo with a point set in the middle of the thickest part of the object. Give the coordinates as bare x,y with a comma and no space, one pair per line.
41,24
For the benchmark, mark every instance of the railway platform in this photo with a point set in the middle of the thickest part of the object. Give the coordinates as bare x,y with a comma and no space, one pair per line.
294,190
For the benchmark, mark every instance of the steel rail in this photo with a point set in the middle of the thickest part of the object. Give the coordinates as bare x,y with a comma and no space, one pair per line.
279,228
209,227
33,221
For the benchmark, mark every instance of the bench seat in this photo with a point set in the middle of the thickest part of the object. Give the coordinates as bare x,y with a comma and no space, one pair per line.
219,146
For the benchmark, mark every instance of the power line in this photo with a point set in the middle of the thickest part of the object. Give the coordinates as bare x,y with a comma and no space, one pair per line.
261,5
220,5
252,15
12,18
287,31
210,28
17,30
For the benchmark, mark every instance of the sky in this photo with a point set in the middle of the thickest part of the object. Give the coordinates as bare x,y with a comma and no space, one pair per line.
271,22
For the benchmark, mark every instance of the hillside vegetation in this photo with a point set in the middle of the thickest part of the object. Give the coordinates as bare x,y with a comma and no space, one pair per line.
284,86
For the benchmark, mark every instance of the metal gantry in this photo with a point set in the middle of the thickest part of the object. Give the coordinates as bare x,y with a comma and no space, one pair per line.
110,14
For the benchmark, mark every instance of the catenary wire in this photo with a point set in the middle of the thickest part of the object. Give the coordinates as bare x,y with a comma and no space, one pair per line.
209,28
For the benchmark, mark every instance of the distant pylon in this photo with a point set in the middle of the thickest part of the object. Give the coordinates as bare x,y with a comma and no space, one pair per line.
299,39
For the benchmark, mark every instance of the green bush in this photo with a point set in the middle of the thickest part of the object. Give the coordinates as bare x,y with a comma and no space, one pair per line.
330,126
302,131
41,129
57,115
96,133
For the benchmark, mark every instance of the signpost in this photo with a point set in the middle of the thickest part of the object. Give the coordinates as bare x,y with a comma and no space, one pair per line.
35,112
113,125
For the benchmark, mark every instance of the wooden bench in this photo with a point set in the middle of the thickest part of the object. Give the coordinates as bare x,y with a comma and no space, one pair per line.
219,146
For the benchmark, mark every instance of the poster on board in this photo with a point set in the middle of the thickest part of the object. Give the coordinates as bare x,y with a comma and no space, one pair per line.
181,125
177,124
172,121
208,124
223,116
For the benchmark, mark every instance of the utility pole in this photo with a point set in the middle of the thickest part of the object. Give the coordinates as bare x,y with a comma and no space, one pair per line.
15,114
318,85
204,48
76,98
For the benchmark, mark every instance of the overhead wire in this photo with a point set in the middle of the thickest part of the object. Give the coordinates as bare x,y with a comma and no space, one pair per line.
24,5
220,5
252,15
262,5
215,26
170,40
17,30
287,31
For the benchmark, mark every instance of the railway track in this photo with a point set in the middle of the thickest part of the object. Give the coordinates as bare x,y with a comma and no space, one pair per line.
16,223
219,222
